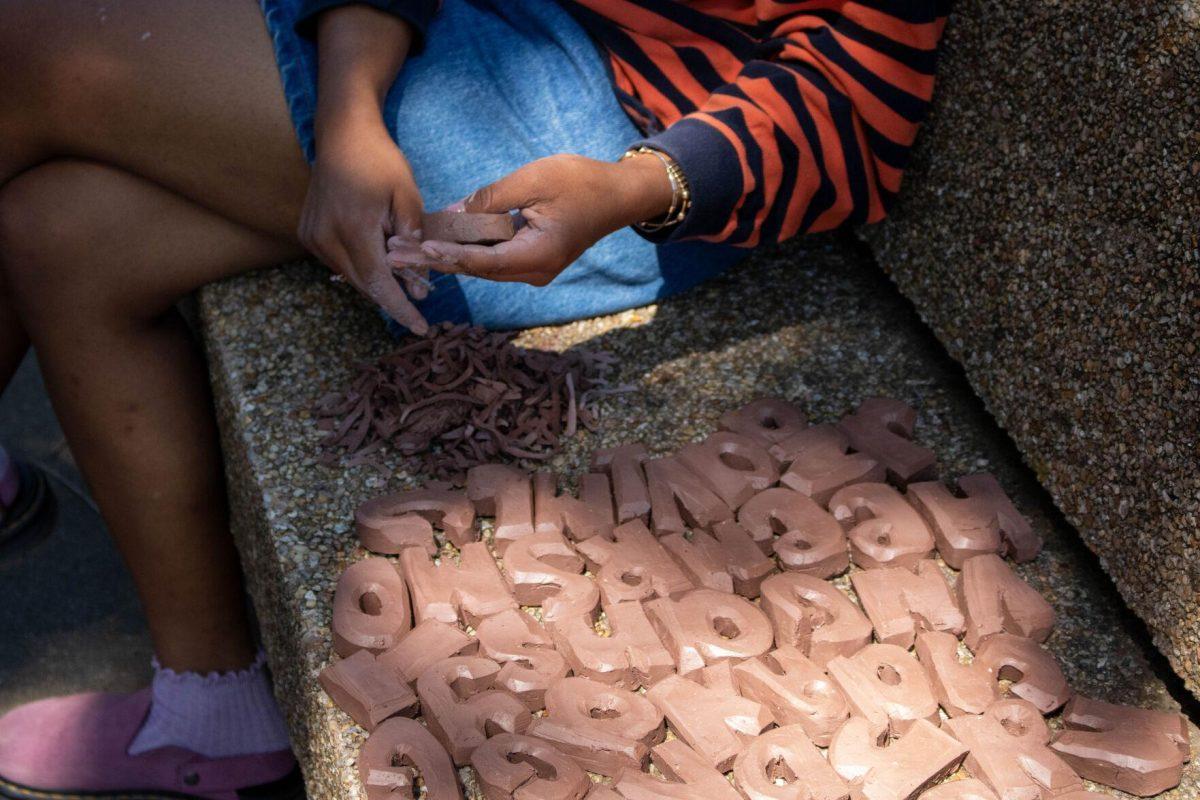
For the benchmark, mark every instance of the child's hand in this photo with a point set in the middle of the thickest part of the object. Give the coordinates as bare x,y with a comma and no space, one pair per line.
569,203
361,192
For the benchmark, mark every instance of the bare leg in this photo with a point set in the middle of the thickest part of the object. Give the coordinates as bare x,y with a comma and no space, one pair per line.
130,386
186,170
14,342
183,93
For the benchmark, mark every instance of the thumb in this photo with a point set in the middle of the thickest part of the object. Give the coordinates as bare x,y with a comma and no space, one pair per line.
516,190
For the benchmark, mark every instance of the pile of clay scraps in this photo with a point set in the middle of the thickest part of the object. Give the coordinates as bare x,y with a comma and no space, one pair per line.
460,397
680,627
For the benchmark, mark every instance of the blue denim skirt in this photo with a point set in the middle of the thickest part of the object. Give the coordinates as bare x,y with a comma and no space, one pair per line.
500,84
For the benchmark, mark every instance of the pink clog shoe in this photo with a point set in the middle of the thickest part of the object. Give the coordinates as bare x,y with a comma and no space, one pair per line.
71,748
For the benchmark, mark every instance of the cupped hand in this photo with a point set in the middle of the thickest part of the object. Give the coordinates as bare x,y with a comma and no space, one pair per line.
568,203
361,193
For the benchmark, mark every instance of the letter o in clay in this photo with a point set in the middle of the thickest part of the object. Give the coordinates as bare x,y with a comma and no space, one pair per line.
370,608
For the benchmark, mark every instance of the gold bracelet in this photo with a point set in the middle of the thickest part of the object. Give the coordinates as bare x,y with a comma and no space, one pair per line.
681,195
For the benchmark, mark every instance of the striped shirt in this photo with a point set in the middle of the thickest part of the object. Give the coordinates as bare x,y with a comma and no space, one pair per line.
786,117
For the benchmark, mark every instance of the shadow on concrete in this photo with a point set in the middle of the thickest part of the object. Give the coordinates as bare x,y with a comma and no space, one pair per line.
69,618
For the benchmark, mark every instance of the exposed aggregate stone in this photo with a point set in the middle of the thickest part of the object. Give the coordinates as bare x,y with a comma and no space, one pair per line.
1048,233
814,322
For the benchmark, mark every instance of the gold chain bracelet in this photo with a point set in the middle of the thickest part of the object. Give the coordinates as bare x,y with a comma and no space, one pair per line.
681,195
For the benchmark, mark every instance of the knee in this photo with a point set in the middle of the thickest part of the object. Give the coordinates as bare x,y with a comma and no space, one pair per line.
44,247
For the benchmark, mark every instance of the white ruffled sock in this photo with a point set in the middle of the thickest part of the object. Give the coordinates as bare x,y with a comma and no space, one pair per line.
216,715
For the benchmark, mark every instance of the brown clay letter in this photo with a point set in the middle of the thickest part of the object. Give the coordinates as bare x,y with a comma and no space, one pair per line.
883,529
472,589
704,627
393,754
995,600
370,607
898,602
812,615
882,428
984,521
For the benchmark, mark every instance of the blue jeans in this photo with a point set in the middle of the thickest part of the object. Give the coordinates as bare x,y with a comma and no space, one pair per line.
498,85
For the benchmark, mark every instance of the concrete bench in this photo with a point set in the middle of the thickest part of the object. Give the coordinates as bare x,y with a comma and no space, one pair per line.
1047,232
815,321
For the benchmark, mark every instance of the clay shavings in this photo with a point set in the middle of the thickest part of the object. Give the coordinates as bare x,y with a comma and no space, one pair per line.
463,396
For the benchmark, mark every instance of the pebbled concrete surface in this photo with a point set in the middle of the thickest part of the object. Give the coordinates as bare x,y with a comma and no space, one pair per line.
816,322
1048,233
69,618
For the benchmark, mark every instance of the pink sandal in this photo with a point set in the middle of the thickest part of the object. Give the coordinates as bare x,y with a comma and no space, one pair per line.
75,747
26,502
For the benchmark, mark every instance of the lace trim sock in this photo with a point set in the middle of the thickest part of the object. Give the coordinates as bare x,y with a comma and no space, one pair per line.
216,715
9,481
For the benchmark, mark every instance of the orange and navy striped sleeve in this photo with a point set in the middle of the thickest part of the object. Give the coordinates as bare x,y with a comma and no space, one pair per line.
786,117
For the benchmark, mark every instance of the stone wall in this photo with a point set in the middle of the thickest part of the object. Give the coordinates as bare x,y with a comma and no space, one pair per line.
1048,232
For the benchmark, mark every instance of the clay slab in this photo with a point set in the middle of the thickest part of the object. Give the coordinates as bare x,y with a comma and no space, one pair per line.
530,664
630,657
680,499
959,688
705,627
471,589
384,524
688,777
768,420
821,463
715,722
623,465
984,520
786,755
633,567
579,518
886,686
506,493
733,466
1009,752
995,600
516,767
461,707
465,227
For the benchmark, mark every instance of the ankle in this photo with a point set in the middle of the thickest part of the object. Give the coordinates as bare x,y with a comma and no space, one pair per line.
217,715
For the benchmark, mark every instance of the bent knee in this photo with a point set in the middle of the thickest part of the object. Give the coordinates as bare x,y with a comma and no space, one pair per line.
47,242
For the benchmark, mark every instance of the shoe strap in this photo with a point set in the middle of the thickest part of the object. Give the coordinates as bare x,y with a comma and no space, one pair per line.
206,775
